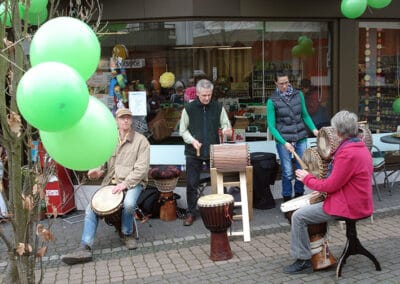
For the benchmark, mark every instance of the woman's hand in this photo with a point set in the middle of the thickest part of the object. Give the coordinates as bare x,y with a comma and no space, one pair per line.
301,174
289,147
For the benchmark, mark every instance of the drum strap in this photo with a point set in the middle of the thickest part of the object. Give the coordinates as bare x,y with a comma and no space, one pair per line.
227,215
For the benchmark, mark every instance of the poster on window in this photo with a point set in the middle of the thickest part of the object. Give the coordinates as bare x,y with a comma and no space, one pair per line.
137,103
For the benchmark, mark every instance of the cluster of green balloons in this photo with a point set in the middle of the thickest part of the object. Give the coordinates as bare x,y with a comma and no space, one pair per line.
37,12
355,8
304,47
77,130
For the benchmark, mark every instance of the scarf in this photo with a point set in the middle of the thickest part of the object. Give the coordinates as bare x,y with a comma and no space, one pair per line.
288,94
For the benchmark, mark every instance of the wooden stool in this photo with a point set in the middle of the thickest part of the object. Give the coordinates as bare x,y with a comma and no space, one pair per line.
353,247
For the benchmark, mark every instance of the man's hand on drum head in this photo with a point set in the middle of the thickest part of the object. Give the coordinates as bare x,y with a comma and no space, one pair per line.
94,173
118,188
301,174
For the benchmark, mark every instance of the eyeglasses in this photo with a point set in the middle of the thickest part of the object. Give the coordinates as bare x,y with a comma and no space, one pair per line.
283,83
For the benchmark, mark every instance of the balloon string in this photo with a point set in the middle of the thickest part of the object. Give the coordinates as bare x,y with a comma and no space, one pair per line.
28,36
11,62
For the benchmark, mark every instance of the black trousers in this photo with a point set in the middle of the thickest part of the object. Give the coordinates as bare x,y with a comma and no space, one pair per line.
194,167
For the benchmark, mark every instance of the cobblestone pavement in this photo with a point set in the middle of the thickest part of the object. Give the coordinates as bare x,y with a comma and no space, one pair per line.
171,253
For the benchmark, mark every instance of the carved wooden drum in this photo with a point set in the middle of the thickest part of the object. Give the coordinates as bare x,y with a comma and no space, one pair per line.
365,134
327,142
108,205
216,211
315,164
229,157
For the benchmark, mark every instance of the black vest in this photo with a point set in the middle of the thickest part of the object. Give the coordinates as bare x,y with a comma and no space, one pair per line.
204,122
289,121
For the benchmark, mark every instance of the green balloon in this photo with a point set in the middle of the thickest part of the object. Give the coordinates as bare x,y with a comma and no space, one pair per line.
378,4
5,16
297,50
396,105
301,38
36,6
86,145
52,96
69,41
306,42
353,8
309,51
36,19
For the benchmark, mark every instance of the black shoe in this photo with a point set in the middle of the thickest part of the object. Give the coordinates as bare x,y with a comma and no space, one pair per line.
299,266
286,198
297,194
80,255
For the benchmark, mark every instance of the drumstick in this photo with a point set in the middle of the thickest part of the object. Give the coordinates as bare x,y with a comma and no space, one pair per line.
302,164
198,151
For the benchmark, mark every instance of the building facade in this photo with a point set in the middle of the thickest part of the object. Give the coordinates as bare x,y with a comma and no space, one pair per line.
239,44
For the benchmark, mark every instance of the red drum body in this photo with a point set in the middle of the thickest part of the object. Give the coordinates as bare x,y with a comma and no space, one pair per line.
229,157
108,206
327,142
216,211
168,206
321,255
315,164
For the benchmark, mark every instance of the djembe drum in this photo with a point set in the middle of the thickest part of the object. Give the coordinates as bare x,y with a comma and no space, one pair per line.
108,206
365,134
321,256
229,157
165,179
315,164
327,142
167,201
216,210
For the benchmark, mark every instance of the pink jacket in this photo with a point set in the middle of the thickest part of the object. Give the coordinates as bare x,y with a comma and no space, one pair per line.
349,186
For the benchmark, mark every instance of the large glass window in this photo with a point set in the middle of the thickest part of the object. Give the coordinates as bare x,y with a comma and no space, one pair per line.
379,74
240,57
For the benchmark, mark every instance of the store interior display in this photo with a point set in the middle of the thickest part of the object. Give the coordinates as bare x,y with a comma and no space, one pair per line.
379,81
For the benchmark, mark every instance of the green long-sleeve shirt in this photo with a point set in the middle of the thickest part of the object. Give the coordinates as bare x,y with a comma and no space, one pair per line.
271,119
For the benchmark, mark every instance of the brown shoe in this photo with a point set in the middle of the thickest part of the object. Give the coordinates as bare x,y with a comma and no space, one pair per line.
129,241
80,255
189,220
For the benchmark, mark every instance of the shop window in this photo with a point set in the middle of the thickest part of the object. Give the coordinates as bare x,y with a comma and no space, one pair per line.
379,73
240,57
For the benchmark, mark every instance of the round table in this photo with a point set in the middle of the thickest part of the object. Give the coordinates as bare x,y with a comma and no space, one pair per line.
390,139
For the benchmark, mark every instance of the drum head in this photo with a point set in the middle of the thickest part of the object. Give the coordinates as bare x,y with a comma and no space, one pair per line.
327,142
105,202
213,200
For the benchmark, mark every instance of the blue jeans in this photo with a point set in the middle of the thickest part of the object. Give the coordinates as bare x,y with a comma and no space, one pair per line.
287,167
127,218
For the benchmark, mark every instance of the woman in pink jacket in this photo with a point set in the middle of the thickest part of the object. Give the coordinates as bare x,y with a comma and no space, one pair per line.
348,188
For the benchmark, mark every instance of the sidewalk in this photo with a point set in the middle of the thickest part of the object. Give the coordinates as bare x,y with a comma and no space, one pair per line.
171,253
